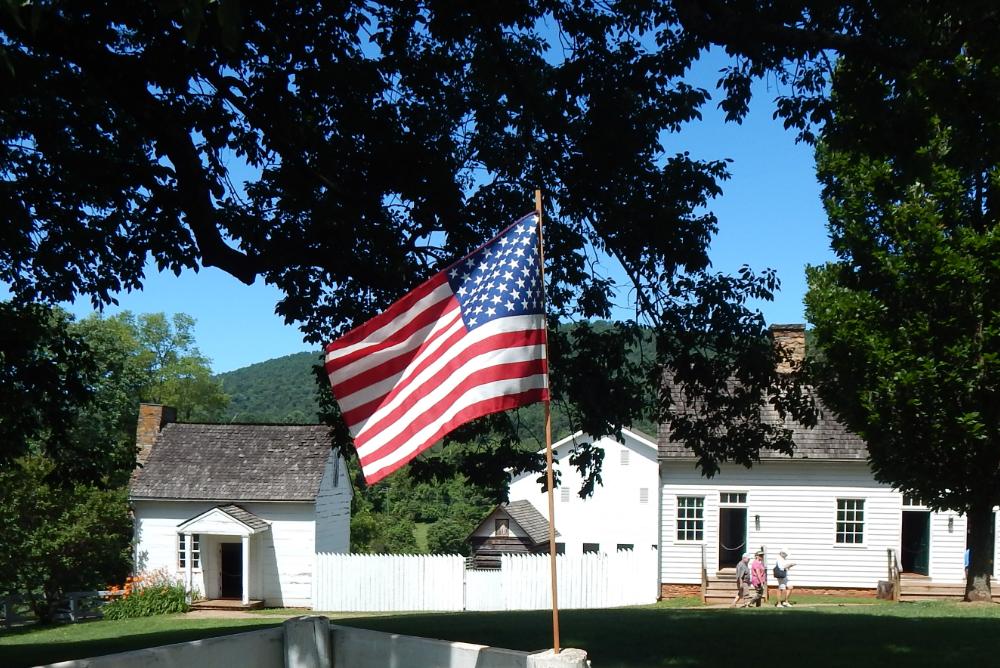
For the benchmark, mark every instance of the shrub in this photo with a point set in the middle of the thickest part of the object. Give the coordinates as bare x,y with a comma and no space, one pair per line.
154,593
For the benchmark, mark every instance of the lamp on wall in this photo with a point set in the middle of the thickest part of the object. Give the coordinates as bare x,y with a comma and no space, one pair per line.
756,522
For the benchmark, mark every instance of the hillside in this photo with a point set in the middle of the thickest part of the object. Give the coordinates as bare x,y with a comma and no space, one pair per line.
279,390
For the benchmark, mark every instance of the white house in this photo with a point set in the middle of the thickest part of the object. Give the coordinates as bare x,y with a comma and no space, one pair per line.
622,513
823,506
238,511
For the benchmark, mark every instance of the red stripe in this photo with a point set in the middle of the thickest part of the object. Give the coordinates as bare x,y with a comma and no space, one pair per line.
428,385
477,410
362,331
394,365
508,371
364,411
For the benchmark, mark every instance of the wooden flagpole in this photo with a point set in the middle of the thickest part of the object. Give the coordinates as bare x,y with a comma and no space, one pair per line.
548,436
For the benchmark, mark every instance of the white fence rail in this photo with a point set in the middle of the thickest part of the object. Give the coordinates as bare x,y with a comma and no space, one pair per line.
388,583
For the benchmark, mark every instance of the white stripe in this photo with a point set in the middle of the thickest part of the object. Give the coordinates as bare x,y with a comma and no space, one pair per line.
439,293
497,388
450,320
430,399
510,324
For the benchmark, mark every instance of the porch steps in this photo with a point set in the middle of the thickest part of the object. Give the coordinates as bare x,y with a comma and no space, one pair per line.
721,588
226,604
924,589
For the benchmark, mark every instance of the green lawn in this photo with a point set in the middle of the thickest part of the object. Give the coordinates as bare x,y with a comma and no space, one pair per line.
859,636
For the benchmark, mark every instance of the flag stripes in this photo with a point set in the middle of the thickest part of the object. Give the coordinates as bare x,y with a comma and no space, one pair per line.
467,342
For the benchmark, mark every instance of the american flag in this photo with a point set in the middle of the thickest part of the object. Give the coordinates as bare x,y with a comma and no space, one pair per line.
468,342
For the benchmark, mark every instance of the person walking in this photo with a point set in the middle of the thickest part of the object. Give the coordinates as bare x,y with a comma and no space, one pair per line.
742,582
758,578
781,568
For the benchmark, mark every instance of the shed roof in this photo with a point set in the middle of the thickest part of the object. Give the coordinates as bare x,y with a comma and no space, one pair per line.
234,462
529,519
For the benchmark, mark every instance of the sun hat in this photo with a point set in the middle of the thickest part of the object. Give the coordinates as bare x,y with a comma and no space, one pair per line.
746,555
759,553
782,552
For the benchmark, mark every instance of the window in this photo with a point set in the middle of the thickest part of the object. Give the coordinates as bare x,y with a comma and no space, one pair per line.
501,527
733,498
560,548
625,457
626,546
590,548
643,495
912,501
690,517
182,551
850,521
564,494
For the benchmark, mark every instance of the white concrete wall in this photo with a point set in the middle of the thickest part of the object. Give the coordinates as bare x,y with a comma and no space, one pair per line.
281,560
273,648
333,508
615,514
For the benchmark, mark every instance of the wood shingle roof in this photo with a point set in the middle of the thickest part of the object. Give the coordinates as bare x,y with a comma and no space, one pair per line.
829,439
234,462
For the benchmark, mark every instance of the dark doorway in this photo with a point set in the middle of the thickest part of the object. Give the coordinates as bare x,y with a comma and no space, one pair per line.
915,546
732,536
231,571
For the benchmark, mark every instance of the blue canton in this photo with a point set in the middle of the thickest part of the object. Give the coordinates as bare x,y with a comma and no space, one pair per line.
501,279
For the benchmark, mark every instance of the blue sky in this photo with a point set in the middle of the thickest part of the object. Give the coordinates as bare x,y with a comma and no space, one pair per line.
769,216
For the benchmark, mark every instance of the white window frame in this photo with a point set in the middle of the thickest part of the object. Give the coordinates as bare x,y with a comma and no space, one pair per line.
693,514
849,521
182,552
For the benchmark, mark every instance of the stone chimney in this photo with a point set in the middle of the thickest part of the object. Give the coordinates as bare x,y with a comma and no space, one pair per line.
791,342
152,418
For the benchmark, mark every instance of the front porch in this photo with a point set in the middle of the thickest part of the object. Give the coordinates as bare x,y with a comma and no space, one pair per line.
226,604
226,539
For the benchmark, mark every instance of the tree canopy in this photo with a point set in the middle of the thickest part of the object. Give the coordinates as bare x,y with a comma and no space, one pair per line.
342,151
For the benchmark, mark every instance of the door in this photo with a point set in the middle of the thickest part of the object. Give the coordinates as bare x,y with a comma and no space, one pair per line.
915,543
231,571
732,536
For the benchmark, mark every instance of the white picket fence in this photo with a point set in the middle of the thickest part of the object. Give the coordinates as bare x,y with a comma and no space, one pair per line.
397,583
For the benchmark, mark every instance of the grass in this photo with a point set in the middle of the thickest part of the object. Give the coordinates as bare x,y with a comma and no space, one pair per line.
420,535
862,636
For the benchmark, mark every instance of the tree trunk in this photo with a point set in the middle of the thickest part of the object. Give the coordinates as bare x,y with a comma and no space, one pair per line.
977,580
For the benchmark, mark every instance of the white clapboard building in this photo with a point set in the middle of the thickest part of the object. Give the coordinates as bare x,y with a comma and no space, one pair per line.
621,514
823,506
238,511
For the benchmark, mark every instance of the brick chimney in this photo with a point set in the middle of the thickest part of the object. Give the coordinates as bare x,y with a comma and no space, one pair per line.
791,339
152,418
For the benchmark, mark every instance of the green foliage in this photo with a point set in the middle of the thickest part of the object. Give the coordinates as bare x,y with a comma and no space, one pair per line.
448,536
281,390
155,593
417,134
58,538
907,318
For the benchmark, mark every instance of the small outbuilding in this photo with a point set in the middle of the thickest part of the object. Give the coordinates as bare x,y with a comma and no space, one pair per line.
511,528
238,511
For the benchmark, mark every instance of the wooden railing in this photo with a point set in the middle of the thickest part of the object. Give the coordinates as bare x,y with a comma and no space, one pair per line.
74,606
894,574
704,575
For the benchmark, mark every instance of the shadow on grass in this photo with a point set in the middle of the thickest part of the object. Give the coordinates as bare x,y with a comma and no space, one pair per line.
712,638
16,650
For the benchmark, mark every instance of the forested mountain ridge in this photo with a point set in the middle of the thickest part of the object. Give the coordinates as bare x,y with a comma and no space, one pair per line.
280,390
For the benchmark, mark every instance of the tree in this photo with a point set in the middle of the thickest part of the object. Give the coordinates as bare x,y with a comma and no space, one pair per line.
902,96
909,326
58,538
341,151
